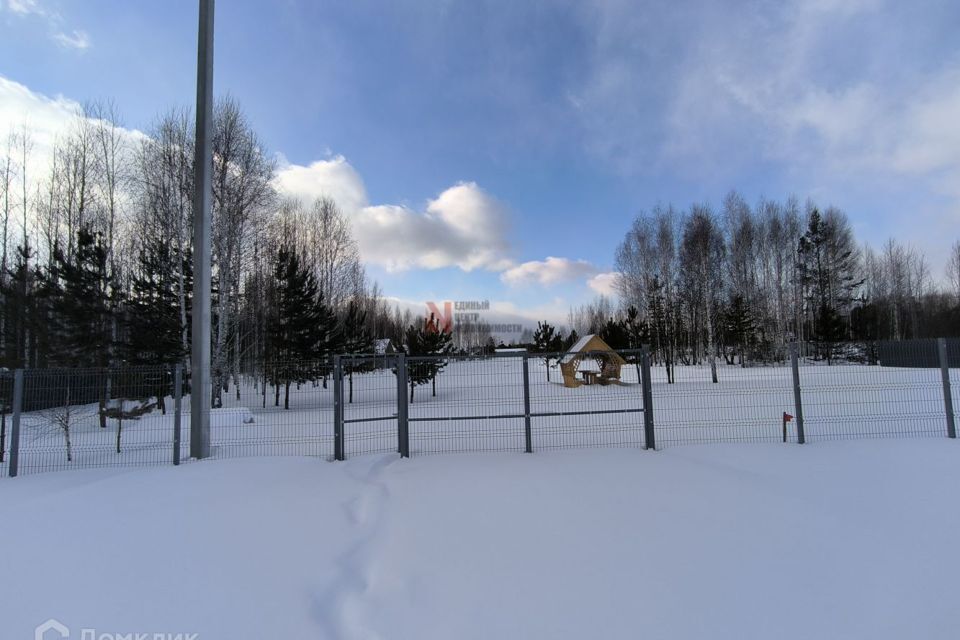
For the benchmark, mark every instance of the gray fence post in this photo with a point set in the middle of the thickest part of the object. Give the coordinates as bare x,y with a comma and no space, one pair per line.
15,423
947,397
403,416
338,453
649,435
797,400
177,411
528,433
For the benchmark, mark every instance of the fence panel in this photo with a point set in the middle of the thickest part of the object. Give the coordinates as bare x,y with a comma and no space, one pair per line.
868,390
597,412
461,404
88,418
285,409
370,404
744,404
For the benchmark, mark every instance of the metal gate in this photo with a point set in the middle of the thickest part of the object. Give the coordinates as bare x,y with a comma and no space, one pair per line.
366,404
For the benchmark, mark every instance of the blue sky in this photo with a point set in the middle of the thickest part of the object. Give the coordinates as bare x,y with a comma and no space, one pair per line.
510,132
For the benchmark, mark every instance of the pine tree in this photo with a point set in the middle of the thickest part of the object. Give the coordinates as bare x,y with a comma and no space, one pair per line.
303,326
429,339
81,297
439,342
638,331
19,311
80,292
153,325
547,341
739,326
356,340
614,333
829,265
329,338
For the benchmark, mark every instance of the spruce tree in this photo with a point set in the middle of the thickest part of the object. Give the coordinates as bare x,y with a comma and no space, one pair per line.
297,327
80,290
19,310
152,323
429,339
638,335
740,327
438,342
328,338
829,267
154,335
80,299
614,333
356,340
547,342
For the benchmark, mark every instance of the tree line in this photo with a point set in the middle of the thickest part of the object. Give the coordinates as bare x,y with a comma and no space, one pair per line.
741,283
96,257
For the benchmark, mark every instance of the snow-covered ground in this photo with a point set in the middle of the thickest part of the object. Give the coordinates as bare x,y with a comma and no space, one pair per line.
747,405
829,540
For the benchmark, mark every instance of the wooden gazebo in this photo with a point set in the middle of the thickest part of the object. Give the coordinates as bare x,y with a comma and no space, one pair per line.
592,348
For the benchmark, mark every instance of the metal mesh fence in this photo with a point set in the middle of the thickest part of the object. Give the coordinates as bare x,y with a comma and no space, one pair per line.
873,390
740,404
600,413
86,418
369,404
284,409
514,402
461,404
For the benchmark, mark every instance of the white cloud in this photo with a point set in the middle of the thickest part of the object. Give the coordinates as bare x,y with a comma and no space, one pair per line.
334,178
555,312
75,40
548,272
463,227
788,107
68,38
45,120
605,283
820,87
26,7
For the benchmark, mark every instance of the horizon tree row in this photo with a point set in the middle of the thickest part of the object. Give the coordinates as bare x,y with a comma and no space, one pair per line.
96,259
743,283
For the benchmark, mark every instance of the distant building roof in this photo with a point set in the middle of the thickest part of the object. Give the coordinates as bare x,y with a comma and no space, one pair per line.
382,346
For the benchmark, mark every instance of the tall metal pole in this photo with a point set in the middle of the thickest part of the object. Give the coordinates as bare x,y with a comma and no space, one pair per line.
200,396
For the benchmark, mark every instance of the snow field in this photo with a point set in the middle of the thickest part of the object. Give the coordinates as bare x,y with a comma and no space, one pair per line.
832,540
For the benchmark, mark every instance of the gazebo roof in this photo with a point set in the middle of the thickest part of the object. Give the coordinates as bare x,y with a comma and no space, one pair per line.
588,343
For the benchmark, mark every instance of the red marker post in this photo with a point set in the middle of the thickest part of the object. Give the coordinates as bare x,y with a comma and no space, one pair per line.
786,418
